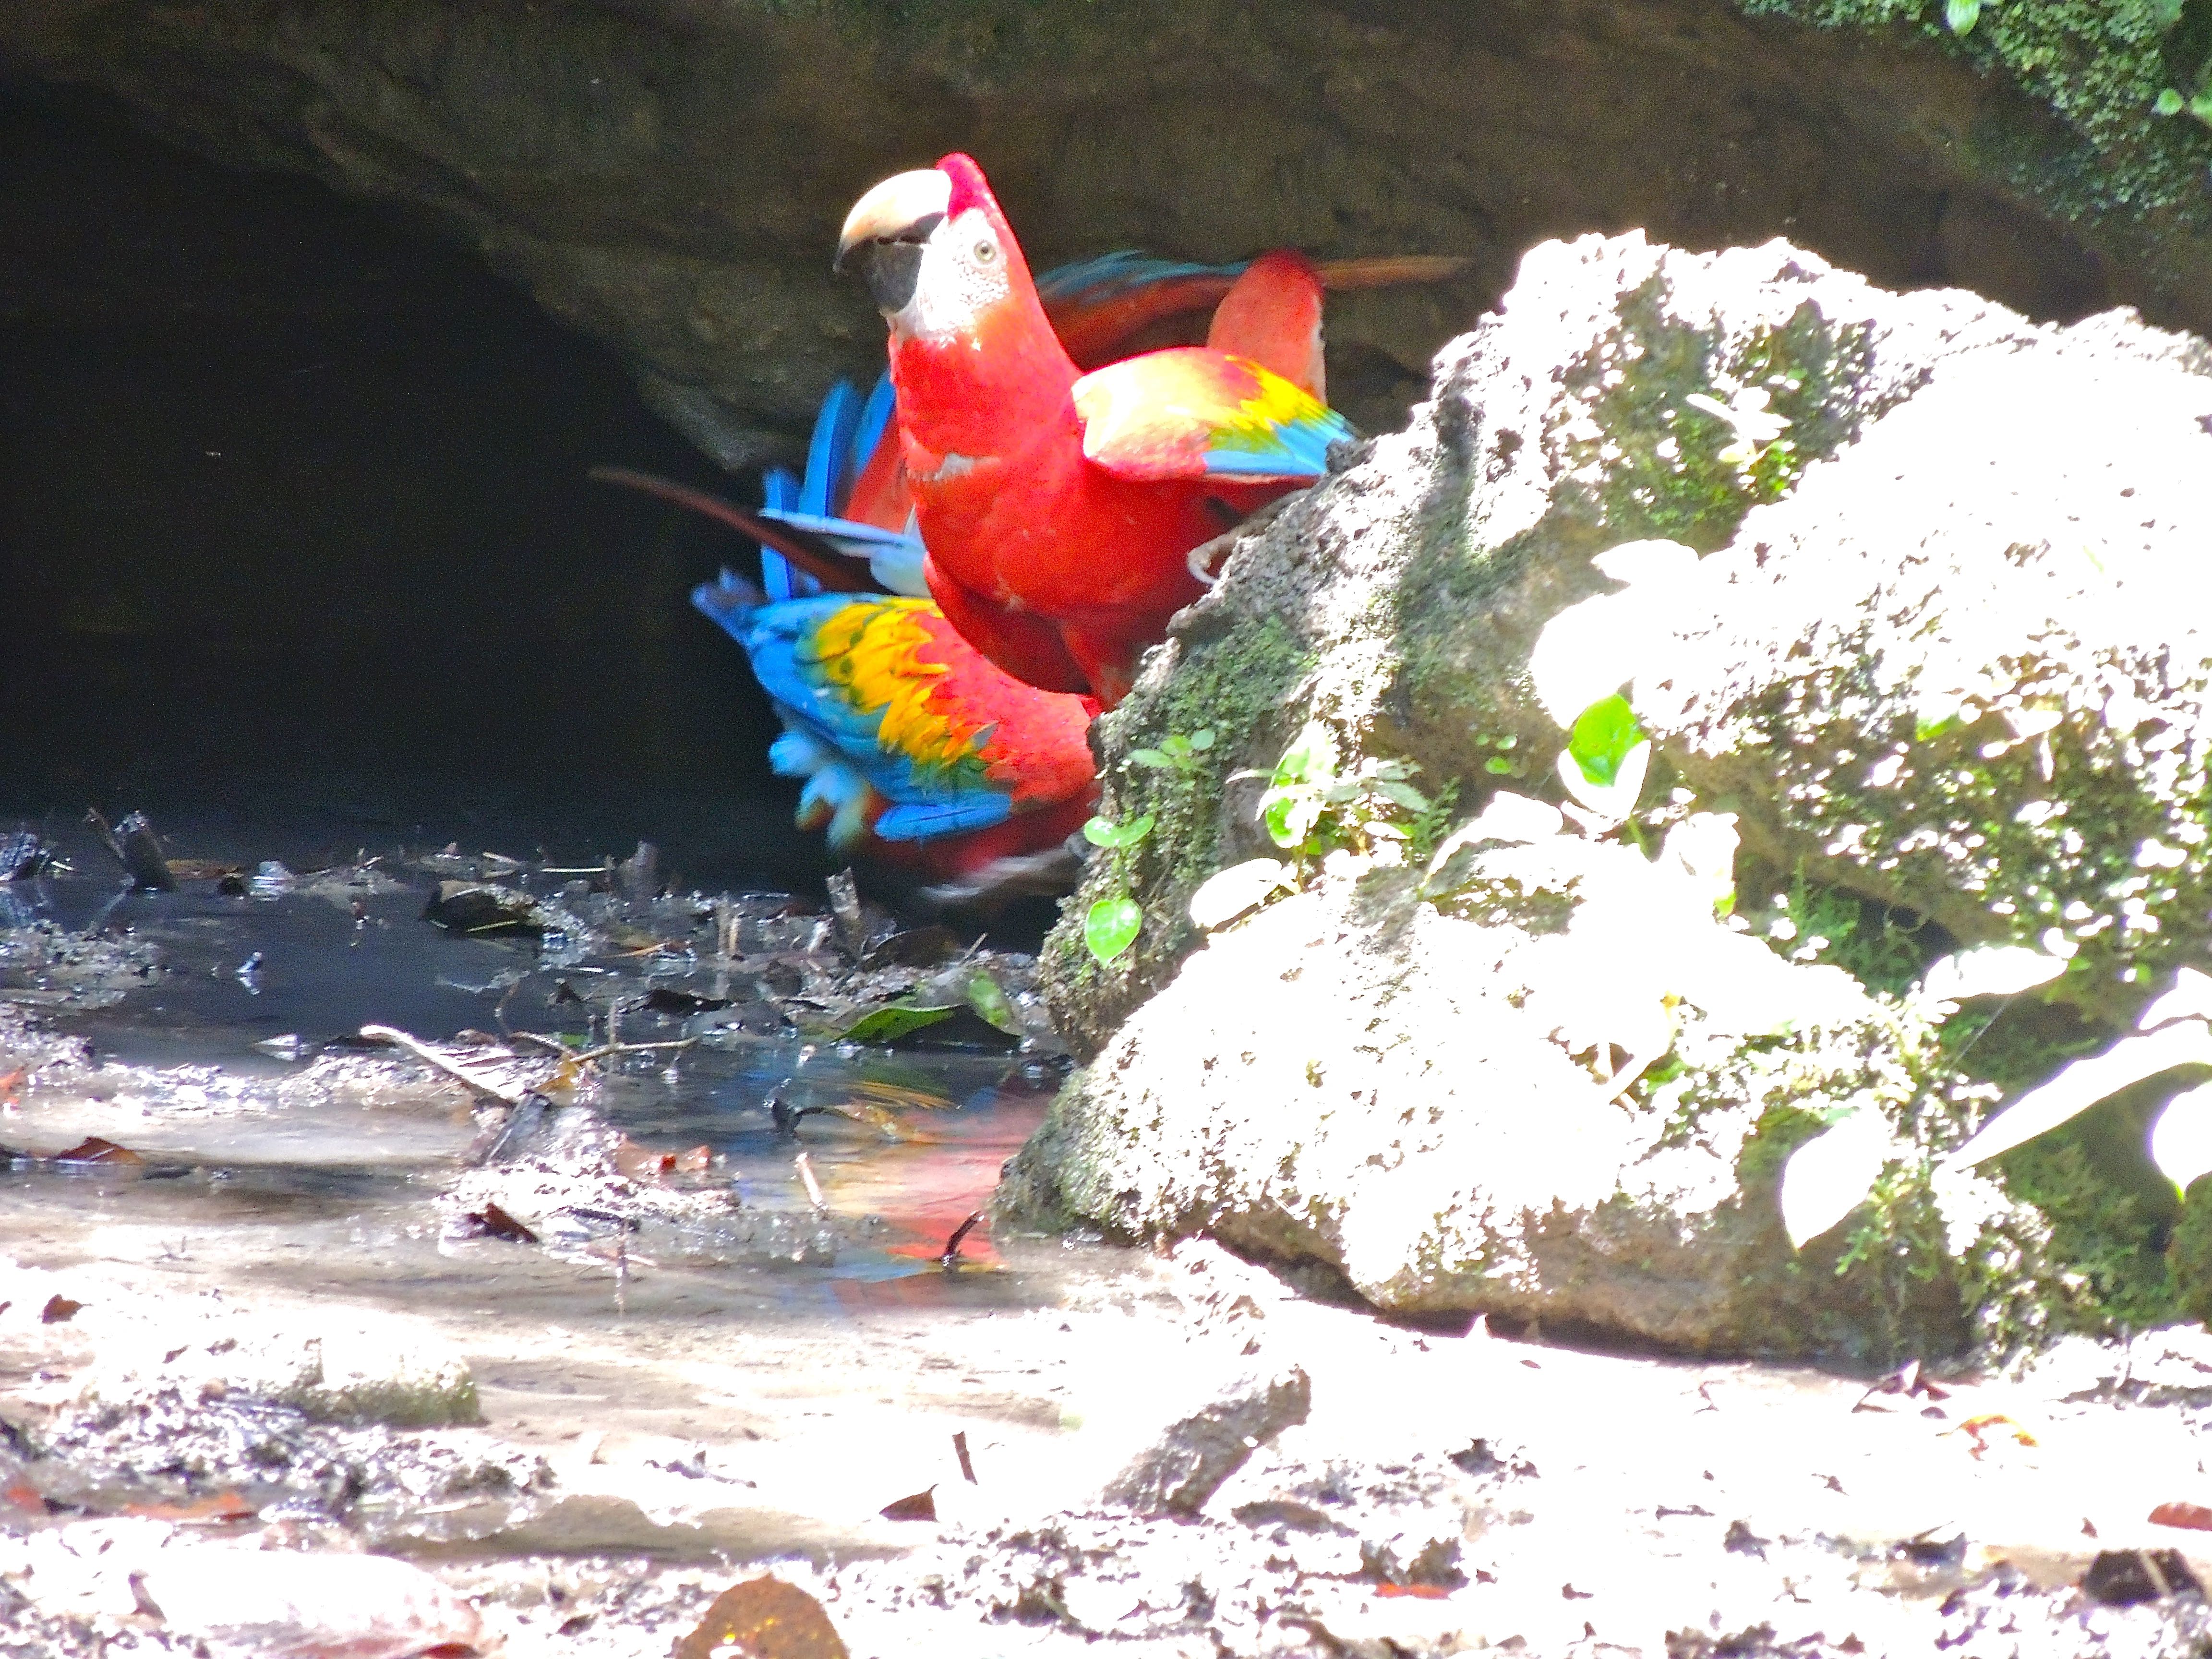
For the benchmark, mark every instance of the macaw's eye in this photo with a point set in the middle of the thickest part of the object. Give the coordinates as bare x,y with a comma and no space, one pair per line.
986,251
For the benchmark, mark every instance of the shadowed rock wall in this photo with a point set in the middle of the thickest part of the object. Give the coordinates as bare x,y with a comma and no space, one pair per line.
668,175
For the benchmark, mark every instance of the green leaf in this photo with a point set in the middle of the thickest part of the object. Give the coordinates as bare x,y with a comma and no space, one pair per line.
1404,794
2164,13
1104,832
1829,1176
2169,102
2081,1083
2201,106
890,1023
1229,893
1604,733
1499,767
1312,756
1959,17
1202,739
1152,757
2181,1139
1290,818
989,1000
1111,927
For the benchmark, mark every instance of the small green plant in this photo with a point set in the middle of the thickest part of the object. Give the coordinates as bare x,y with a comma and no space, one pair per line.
2170,102
1862,936
1753,426
1606,760
1104,832
2174,1034
1426,832
1176,753
1111,925
1313,803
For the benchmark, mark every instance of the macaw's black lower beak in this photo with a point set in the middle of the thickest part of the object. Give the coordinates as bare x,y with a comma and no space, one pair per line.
890,269
885,233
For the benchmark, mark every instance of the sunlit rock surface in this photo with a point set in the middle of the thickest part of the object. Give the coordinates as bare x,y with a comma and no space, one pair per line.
1935,659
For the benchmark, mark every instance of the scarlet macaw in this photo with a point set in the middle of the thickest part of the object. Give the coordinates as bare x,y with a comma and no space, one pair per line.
914,748
1057,506
847,672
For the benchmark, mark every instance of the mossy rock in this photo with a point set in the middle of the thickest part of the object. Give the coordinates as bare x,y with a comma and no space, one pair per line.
1926,658
1363,1077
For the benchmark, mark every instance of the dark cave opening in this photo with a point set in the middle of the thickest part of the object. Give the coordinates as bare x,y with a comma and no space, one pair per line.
298,540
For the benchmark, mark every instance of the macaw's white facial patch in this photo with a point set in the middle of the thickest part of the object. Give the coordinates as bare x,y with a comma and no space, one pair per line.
963,274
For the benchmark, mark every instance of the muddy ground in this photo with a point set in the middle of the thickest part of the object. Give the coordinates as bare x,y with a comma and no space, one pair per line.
352,1355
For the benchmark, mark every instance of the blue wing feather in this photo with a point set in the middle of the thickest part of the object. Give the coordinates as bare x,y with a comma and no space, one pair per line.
1297,447
875,421
1117,272
828,452
825,731
779,489
835,746
729,603
927,820
894,556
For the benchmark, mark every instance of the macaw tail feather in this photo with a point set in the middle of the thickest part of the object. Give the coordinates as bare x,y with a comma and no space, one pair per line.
1099,307
1389,270
728,603
818,557
894,556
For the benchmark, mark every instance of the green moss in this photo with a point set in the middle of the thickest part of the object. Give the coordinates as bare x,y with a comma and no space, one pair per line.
1658,456
2098,66
2091,833
1636,459
1883,948
1782,1129
2109,1234
1237,684
2068,1234
2189,1253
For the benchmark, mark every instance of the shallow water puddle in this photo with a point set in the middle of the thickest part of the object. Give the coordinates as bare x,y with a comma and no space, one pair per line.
281,1163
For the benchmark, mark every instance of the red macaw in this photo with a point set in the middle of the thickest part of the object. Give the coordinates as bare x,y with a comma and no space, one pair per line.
1119,303
1057,506
915,749
875,692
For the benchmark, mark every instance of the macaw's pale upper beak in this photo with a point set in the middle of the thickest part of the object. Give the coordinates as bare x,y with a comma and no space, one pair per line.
884,235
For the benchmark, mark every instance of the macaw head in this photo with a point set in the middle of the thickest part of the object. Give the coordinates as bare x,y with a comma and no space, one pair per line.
936,253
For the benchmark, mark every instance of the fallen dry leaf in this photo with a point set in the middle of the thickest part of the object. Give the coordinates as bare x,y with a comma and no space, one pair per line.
92,1149
1993,1425
2195,1516
644,1163
221,1508
920,1506
58,1310
25,1497
492,1222
764,1617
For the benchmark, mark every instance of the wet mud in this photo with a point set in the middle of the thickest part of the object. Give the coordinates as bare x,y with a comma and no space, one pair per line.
620,1273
